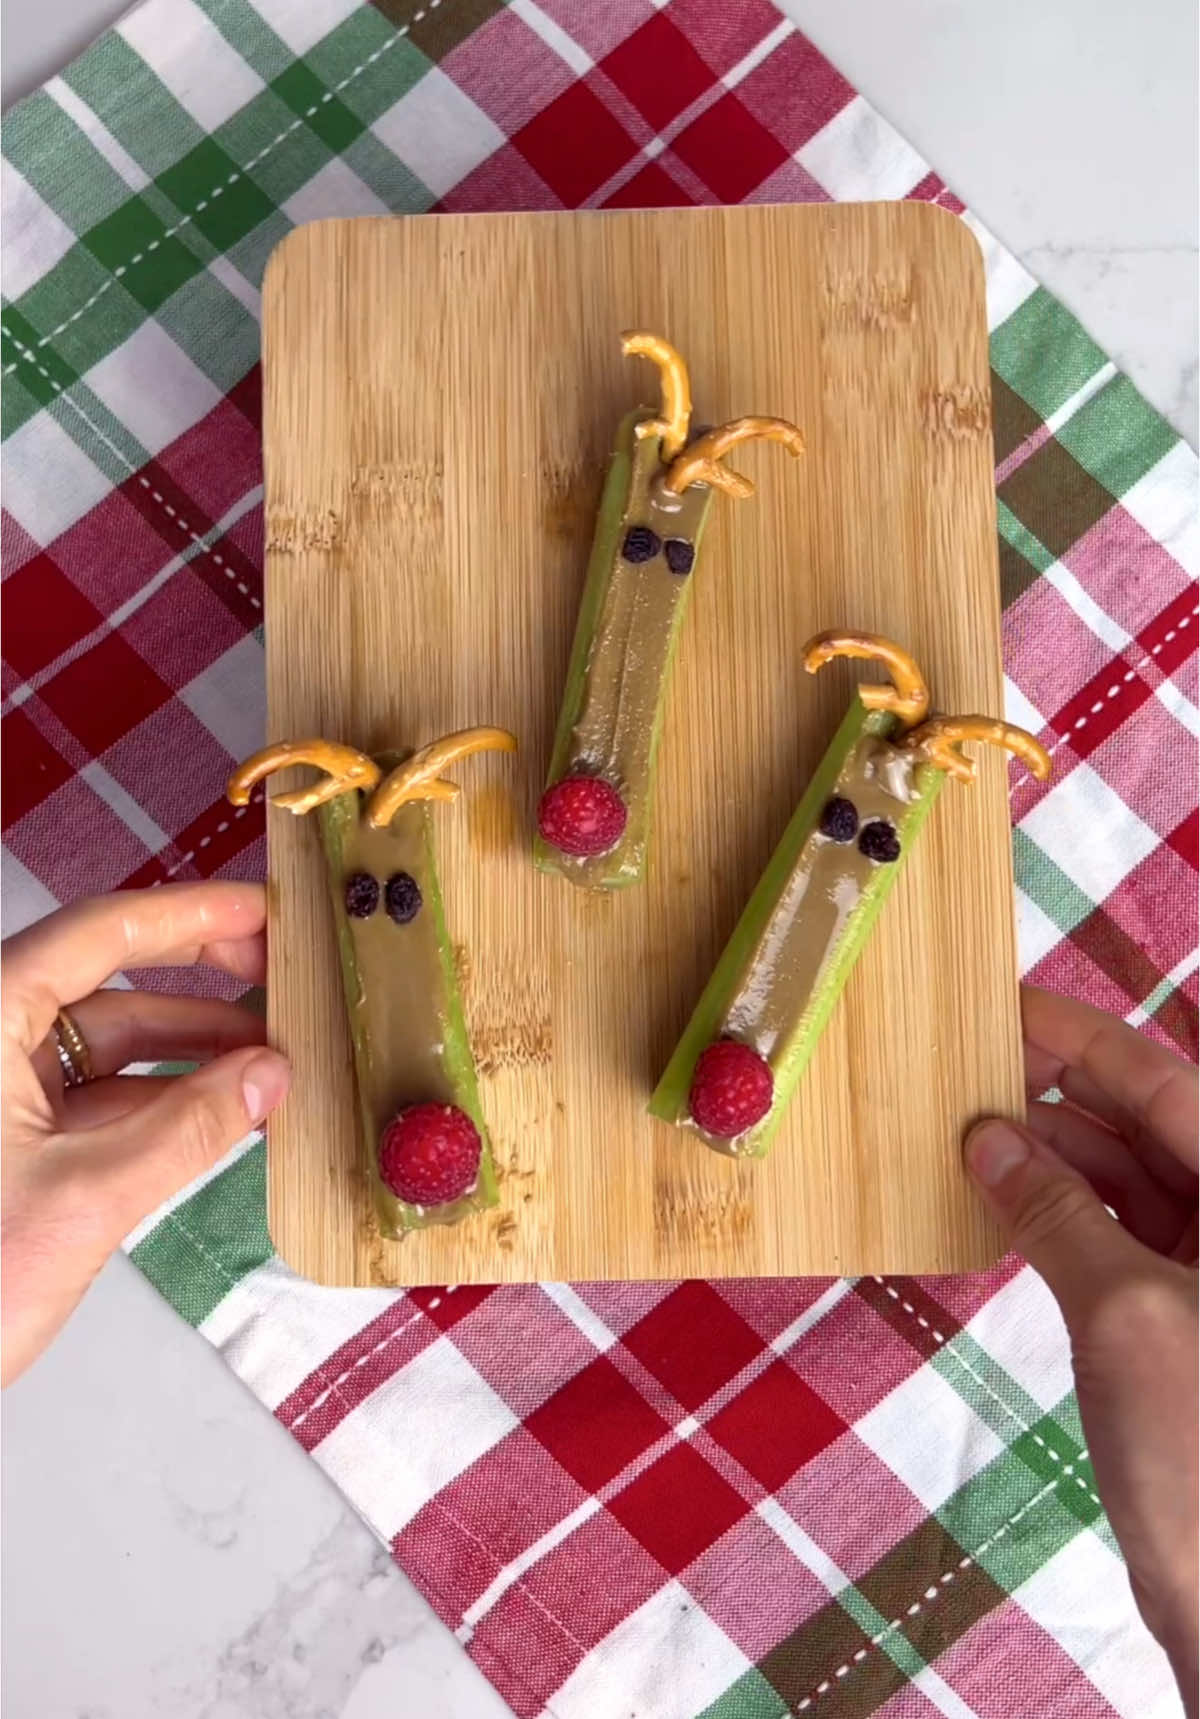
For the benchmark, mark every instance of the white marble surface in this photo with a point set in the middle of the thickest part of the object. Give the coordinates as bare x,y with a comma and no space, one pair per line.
171,1553
1069,127
168,1551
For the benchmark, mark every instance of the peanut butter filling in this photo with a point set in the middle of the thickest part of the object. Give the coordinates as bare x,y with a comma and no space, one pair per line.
397,1009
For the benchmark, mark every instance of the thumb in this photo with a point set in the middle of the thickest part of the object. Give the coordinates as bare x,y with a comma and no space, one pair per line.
1051,1214
159,1148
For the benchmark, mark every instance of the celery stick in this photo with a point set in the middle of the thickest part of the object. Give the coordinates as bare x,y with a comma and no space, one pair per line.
749,999
626,635
403,1001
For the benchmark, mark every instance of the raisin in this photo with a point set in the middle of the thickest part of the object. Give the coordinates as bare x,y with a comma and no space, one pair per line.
402,898
879,842
362,895
680,554
839,820
641,544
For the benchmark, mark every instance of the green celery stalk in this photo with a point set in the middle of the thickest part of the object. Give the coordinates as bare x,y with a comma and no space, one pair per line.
629,744
790,1057
414,1048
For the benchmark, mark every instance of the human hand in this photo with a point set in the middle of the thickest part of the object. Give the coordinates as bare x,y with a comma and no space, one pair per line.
1125,1138
82,1164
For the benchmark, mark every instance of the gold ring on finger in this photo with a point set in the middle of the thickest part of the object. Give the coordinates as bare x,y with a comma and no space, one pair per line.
74,1058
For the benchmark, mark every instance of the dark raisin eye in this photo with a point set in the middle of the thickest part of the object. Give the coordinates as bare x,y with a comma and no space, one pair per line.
362,895
402,898
641,544
839,820
680,554
879,842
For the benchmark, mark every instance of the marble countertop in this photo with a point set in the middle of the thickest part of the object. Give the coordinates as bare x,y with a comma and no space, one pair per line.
171,1552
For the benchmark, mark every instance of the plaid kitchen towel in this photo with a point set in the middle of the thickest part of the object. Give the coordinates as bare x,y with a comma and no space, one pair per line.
738,1499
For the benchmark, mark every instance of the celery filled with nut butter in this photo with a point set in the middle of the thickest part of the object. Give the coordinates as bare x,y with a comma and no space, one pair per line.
423,1125
781,973
594,816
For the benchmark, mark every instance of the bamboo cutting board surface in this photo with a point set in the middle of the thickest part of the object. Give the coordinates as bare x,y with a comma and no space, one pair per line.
441,397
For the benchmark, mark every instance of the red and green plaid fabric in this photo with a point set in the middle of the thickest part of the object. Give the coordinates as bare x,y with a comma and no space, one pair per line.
739,1499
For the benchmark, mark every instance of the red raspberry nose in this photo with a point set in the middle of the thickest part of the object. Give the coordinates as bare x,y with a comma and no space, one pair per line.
429,1154
582,815
732,1089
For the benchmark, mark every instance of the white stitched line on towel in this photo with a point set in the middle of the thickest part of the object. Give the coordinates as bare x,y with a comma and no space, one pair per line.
931,1593
1144,662
331,1390
204,842
218,190
154,494
949,1349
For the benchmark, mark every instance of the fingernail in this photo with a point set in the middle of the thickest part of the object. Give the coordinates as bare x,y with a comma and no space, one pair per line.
993,1151
264,1084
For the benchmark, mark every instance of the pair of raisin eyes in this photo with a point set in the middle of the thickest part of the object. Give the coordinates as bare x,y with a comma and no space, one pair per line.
642,544
401,896
877,840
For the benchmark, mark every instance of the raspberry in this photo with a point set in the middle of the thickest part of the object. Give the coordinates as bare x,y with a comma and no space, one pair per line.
402,898
429,1154
839,820
362,895
680,554
879,842
641,544
732,1089
582,815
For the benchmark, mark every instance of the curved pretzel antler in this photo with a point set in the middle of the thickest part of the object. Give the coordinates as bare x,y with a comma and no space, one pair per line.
701,463
938,740
345,768
417,777
907,697
676,412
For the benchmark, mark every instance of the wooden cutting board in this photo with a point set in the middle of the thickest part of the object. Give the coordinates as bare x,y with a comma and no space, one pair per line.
441,396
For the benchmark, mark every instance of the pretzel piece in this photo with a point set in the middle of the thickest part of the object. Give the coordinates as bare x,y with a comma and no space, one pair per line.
938,740
345,768
701,463
907,697
676,410
419,777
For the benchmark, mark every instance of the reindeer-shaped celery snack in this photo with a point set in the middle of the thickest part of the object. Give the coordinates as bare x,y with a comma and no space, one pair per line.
423,1126
594,816
775,986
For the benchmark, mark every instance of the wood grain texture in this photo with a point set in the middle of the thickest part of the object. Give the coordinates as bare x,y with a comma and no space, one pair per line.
441,396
